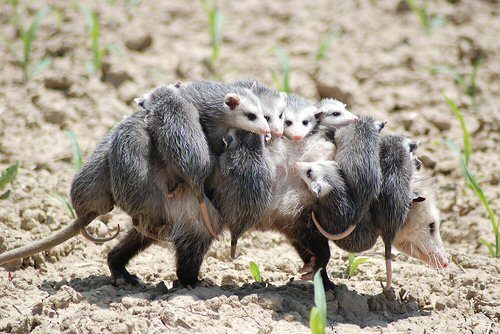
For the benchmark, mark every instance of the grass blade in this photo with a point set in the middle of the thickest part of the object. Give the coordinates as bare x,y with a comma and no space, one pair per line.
75,148
8,175
463,125
29,36
41,66
320,297
254,269
324,44
315,322
66,203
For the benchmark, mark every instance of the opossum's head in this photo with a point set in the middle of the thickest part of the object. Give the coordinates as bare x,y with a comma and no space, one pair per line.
244,111
333,114
273,107
160,96
420,237
315,175
300,122
366,128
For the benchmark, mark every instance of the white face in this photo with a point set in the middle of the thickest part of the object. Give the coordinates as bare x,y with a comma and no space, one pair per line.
312,173
420,237
274,115
245,112
334,114
300,124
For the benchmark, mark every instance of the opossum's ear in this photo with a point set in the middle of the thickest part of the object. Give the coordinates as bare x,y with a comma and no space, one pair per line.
316,188
140,101
319,114
417,198
253,88
227,140
413,145
232,100
380,125
178,84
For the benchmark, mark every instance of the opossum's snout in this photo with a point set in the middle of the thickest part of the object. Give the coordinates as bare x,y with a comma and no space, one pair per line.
277,134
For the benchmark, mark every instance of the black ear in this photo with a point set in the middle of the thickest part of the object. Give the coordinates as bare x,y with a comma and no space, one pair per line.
413,146
319,114
381,126
417,198
178,84
227,140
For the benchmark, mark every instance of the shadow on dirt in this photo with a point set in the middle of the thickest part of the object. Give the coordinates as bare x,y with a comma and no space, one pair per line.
291,302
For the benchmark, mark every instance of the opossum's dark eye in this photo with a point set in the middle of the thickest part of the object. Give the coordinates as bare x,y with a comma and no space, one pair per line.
336,113
281,115
308,173
288,123
267,118
432,227
305,122
251,116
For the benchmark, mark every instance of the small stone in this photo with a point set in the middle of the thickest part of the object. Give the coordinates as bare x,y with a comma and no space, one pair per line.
139,42
114,76
442,124
440,305
271,301
471,294
427,161
57,83
402,7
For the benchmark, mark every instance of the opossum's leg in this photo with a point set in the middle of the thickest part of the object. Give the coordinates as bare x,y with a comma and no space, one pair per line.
234,243
388,266
305,256
190,251
123,252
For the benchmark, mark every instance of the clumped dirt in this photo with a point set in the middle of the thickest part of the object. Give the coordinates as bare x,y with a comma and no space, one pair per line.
379,62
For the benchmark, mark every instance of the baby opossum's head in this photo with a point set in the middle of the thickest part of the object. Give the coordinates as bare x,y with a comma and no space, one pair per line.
333,114
420,237
161,96
243,110
273,106
301,117
316,176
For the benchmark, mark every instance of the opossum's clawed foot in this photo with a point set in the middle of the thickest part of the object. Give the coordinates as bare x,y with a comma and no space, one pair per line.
234,243
206,218
123,277
309,267
204,283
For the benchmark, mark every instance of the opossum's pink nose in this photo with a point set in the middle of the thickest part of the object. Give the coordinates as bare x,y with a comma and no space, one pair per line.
297,137
356,119
277,134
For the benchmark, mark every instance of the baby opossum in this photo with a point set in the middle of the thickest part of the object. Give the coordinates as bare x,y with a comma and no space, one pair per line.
223,107
301,117
273,104
243,190
333,115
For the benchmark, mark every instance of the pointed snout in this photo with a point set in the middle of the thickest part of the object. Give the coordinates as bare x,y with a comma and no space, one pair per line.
277,134
297,138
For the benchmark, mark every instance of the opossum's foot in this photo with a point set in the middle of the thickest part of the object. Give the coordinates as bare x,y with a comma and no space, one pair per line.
307,276
204,283
309,267
123,277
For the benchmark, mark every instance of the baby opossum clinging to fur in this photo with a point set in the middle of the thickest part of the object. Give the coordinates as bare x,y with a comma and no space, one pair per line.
404,214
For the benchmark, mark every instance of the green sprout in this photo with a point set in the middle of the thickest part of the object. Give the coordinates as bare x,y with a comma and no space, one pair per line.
215,19
75,148
468,83
254,269
7,176
354,263
429,22
65,202
27,37
325,43
494,249
282,83
317,319
94,29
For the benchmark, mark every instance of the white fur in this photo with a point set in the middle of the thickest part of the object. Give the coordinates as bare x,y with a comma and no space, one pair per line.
295,129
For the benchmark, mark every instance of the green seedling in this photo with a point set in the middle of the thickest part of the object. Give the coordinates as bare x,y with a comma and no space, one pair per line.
215,20
317,320
281,77
429,22
66,203
468,83
75,148
494,249
254,269
354,263
94,28
325,43
7,176
27,37
467,142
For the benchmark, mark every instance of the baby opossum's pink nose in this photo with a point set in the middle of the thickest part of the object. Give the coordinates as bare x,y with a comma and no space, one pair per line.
297,137
356,119
277,134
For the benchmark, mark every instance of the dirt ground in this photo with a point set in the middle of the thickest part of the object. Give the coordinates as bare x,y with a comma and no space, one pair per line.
380,60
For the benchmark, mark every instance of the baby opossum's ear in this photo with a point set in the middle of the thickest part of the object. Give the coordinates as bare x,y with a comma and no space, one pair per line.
232,100
380,125
417,198
139,101
319,114
178,84
227,140
316,188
